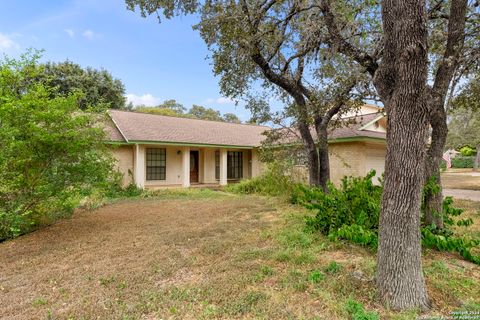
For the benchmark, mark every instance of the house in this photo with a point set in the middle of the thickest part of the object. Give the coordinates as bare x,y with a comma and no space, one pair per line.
158,151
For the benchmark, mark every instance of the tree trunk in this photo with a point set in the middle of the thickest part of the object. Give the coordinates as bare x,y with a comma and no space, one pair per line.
433,201
312,153
476,164
324,175
437,112
402,83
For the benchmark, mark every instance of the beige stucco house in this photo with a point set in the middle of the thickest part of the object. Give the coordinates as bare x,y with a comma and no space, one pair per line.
160,151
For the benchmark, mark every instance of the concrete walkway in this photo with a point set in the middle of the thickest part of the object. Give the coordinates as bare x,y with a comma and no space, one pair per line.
473,195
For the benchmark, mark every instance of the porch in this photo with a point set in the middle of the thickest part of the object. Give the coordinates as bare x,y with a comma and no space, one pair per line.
163,166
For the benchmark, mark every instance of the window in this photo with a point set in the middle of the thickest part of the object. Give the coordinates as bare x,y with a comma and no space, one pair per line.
156,163
217,165
234,165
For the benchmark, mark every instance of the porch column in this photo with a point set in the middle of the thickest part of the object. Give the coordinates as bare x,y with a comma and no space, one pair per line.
139,167
223,167
186,167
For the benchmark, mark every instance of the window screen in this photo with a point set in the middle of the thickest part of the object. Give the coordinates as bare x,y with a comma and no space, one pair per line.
235,165
217,165
156,163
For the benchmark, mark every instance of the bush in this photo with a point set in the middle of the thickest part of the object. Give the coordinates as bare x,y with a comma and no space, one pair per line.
275,181
463,162
52,155
351,212
467,151
357,201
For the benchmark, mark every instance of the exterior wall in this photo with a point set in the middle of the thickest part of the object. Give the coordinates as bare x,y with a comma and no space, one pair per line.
375,159
124,163
174,174
257,166
346,159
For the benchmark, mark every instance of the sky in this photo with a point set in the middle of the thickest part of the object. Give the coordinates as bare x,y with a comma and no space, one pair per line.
155,61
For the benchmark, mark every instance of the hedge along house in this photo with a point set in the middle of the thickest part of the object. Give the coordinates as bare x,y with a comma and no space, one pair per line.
161,151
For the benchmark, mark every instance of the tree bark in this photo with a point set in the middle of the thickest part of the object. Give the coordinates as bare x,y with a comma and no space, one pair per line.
433,201
400,281
324,175
312,153
437,112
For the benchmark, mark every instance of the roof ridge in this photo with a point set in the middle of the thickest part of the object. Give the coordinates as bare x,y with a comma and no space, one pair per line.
186,118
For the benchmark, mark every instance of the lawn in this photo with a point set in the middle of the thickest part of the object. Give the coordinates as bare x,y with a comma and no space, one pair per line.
205,255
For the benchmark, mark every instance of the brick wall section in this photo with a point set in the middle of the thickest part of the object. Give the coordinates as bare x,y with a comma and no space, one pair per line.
124,157
346,159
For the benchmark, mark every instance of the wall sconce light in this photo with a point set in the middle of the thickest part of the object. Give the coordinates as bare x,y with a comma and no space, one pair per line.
179,151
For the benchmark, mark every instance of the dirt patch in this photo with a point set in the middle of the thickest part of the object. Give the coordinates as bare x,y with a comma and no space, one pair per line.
98,263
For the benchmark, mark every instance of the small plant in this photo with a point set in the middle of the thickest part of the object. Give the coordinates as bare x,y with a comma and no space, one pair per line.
316,276
357,311
333,267
266,270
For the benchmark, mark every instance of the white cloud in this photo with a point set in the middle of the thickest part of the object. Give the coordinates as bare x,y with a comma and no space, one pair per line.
70,32
90,35
6,42
221,100
145,99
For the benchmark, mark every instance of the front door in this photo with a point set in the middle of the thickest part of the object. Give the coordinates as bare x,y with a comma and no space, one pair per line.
194,166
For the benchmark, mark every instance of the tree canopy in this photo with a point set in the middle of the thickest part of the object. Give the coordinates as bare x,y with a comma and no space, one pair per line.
175,109
97,86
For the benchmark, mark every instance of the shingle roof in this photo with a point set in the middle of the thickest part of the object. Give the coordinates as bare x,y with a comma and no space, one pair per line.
135,126
142,127
351,129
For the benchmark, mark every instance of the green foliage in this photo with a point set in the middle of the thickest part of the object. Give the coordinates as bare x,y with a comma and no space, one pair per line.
316,276
275,181
98,87
333,267
467,151
357,311
172,108
357,201
352,213
463,162
52,153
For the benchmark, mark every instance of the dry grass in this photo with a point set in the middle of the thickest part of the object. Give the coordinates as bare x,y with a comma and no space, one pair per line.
461,180
209,258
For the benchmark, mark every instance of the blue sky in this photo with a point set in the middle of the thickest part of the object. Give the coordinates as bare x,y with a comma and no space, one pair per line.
154,61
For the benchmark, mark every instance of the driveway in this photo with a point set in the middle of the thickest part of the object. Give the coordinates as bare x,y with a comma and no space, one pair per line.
473,195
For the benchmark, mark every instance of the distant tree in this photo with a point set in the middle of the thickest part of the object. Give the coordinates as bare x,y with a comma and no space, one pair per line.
200,112
173,105
231,117
170,108
97,86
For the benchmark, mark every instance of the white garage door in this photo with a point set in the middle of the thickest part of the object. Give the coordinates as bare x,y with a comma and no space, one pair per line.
376,161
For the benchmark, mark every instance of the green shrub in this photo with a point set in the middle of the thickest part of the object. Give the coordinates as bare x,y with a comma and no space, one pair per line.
52,155
467,151
357,201
357,311
351,212
463,162
275,181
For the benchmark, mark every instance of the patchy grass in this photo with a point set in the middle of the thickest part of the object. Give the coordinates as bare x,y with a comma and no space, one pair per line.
206,255
461,180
